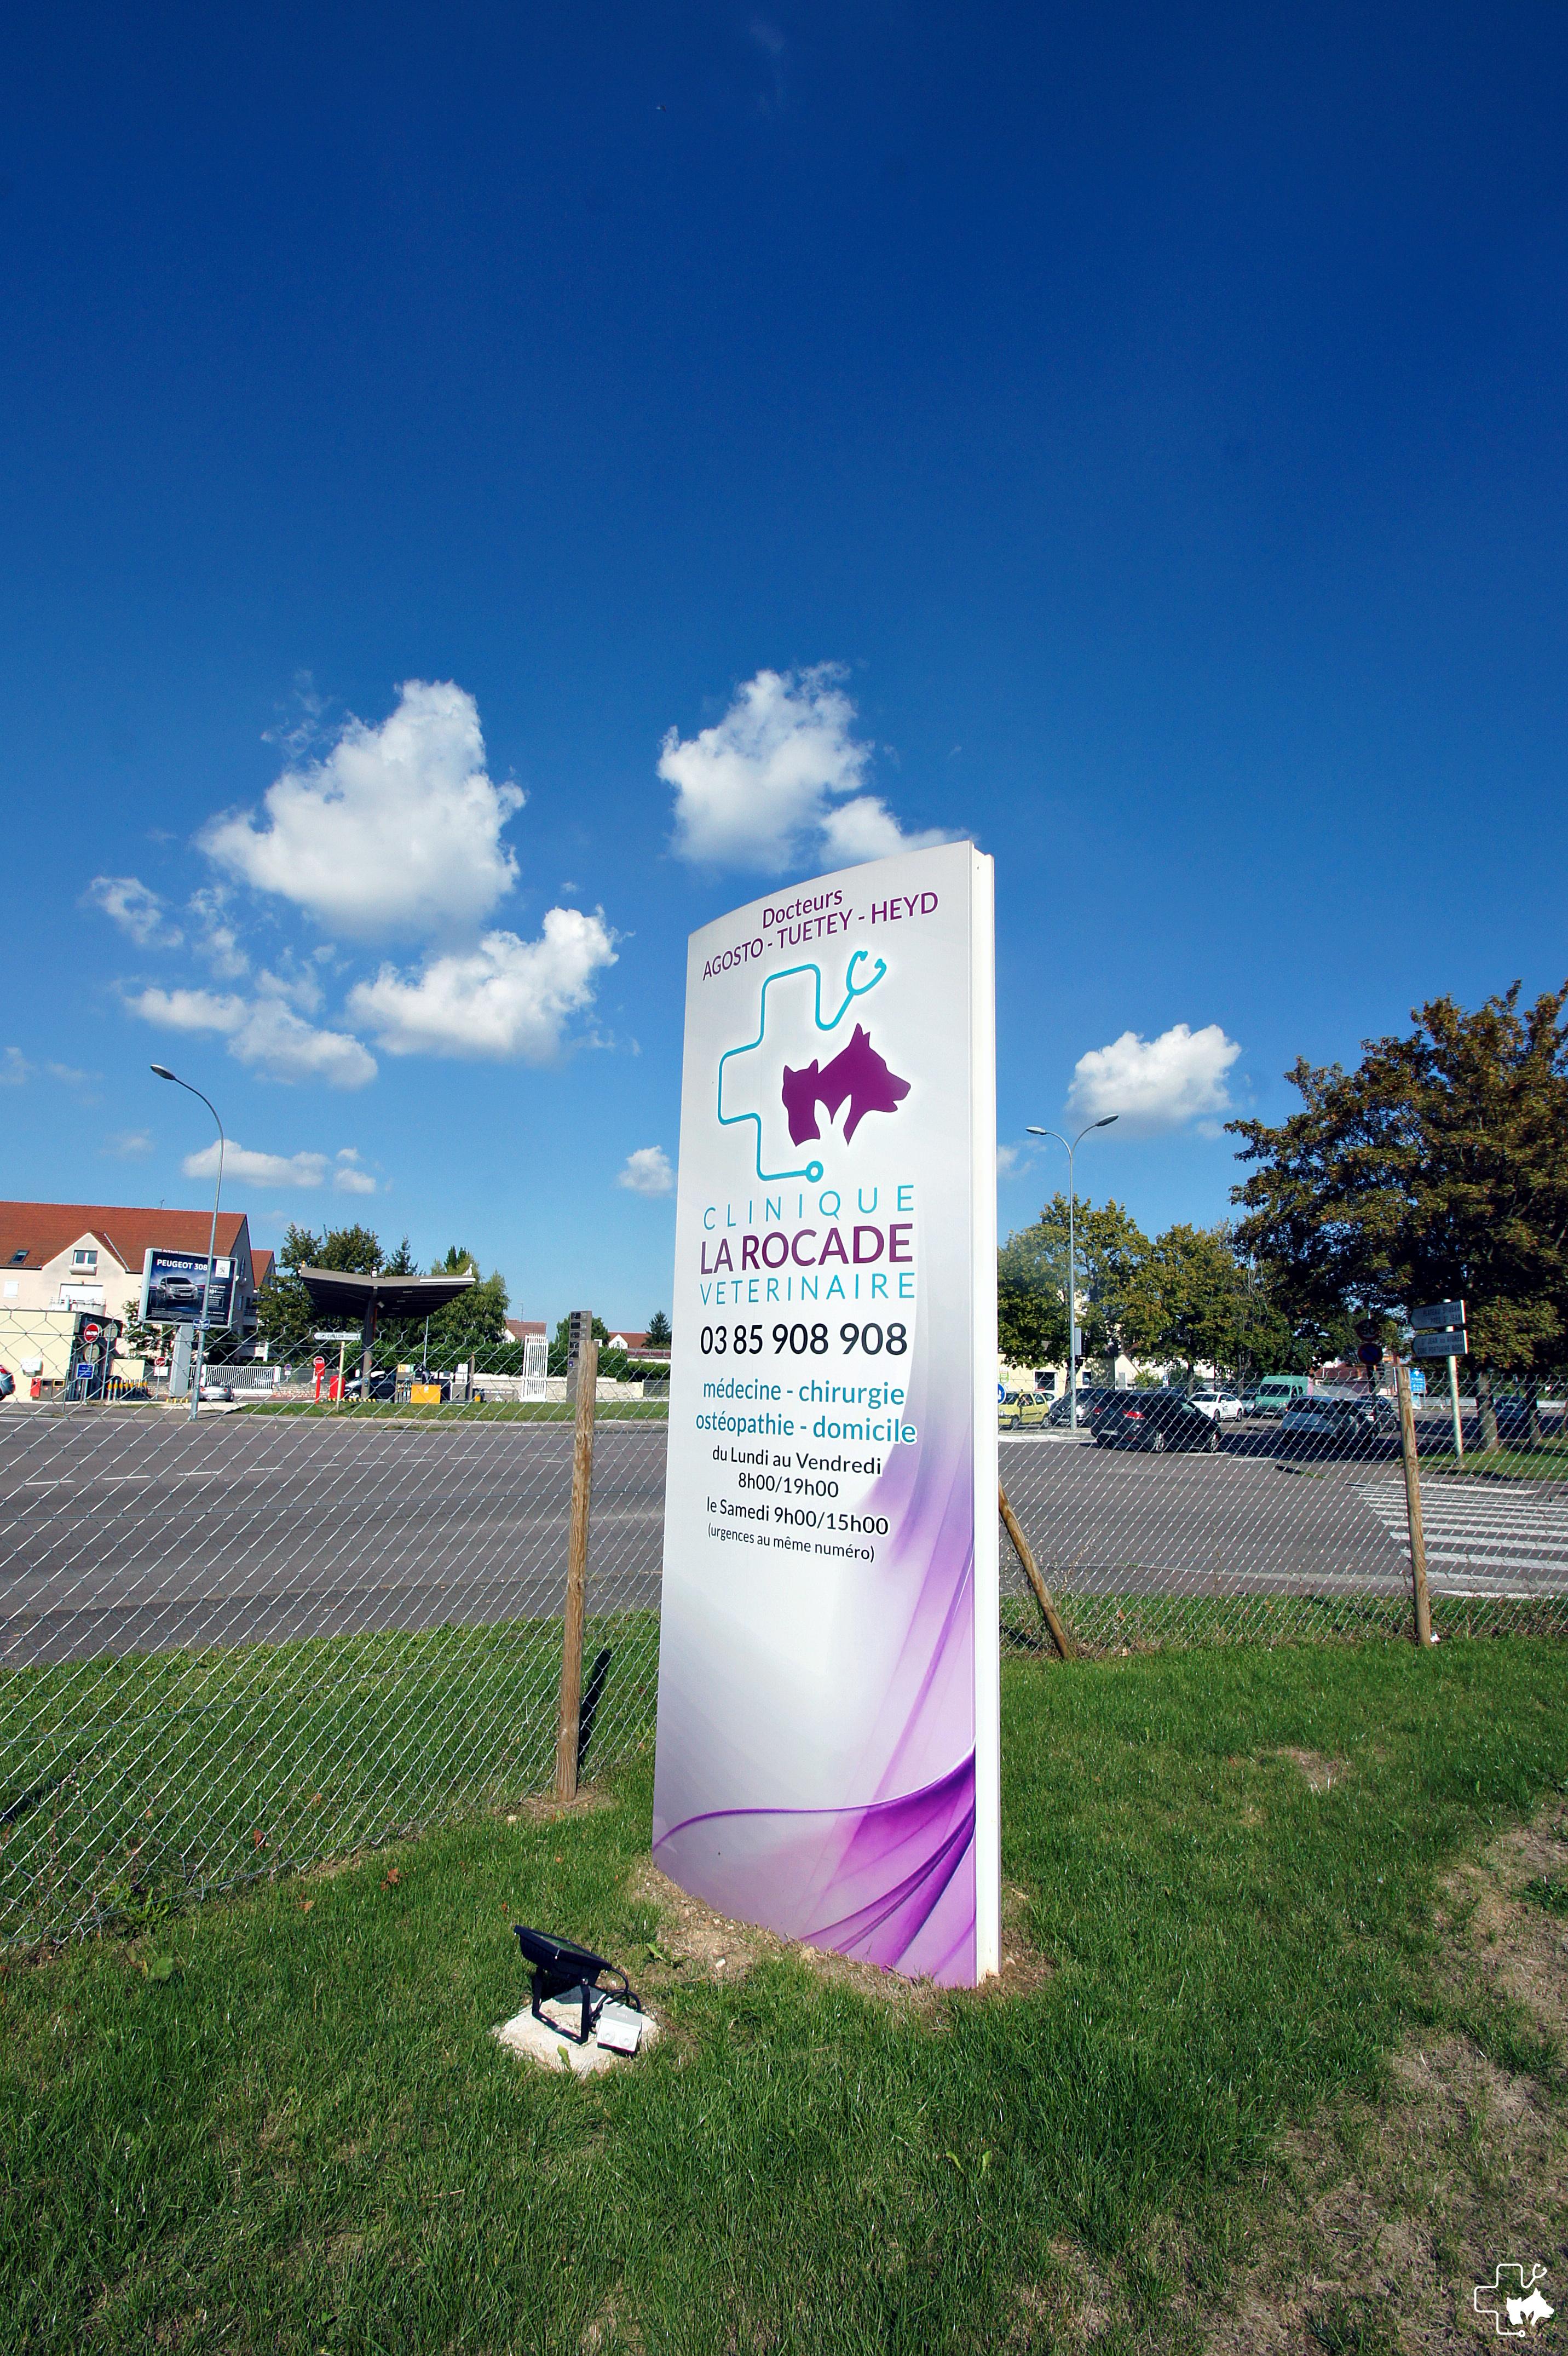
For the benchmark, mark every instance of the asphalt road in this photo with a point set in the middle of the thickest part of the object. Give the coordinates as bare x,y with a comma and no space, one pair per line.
1265,1516
125,1531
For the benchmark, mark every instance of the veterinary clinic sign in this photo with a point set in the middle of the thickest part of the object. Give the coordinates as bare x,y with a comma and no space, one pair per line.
828,1728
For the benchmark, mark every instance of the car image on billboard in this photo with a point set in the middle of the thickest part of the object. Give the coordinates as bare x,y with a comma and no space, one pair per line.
174,1283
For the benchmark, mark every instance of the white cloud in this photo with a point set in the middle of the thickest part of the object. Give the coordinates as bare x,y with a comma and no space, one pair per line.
274,1042
647,1171
188,1010
217,942
1155,1084
763,788
14,1068
136,908
264,1033
130,1144
298,985
348,1178
395,831
506,998
257,1169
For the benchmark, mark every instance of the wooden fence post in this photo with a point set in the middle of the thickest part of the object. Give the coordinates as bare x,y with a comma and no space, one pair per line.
1059,1636
576,1574
1423,1598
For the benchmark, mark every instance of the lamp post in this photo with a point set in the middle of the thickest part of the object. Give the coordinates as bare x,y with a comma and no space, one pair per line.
165,1073
1071,1255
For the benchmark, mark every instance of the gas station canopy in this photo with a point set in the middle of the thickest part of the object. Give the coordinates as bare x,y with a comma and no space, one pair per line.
369,1299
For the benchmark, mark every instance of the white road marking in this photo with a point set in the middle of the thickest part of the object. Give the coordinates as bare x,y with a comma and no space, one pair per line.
1479,1533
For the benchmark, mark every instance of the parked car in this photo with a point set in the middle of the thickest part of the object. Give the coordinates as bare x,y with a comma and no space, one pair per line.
1274,1393
1156,1421
1220,1406
1091,1398
382,1385
1016,1409
1349,1421
220,1393
7,1382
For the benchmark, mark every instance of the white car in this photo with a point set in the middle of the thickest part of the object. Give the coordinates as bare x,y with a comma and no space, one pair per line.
1220,1406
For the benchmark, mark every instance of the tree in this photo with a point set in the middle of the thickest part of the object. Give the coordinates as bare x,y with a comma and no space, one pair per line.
1032,1282
1189,1298
285,1316
658,1333
474,1323
1432,1171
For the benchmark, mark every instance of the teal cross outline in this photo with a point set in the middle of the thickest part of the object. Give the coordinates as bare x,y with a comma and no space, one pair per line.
852,990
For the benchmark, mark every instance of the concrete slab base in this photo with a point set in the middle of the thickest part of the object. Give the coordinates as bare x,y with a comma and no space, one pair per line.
541,2043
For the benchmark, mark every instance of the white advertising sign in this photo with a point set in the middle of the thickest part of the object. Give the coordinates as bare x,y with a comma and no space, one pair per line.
828,1723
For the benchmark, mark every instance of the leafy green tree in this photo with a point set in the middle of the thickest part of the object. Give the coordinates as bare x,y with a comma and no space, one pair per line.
470,1330
474,1324
1433,1169
1188,1299
285,1317
1032,1282
658,1332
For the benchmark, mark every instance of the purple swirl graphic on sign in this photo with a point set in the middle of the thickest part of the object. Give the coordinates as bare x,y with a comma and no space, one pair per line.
891,1880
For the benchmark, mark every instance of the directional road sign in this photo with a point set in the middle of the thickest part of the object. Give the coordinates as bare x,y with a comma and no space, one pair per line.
1439,1313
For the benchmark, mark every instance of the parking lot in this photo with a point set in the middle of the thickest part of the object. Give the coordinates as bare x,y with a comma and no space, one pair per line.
127,1531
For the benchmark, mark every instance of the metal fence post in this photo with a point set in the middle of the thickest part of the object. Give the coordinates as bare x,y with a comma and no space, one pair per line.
576,1573
1422,1599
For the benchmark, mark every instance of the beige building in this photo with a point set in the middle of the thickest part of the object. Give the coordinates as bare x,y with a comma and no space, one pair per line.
58,1260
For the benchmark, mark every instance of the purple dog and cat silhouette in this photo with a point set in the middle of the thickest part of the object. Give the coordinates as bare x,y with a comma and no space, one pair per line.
857,1075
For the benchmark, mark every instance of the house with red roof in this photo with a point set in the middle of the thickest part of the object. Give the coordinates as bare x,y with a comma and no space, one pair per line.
58,1259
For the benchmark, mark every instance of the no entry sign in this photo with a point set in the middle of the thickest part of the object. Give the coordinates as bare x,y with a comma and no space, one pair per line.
828,1731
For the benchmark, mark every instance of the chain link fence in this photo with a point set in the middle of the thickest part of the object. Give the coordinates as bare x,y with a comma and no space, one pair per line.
1260,1531
237,1644
282,1632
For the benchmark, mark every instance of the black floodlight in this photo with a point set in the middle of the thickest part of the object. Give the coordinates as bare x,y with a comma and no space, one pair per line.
561,1968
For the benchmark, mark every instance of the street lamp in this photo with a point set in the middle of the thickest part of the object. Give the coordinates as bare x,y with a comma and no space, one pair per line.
1072,1255
163,1073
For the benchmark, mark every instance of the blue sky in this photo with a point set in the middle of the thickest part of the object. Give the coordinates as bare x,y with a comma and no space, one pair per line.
1133,437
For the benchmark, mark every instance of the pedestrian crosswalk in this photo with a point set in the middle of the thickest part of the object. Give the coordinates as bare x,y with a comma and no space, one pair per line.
1482,1537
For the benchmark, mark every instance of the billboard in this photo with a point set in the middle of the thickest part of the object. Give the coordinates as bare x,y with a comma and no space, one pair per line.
828,1716
173,1284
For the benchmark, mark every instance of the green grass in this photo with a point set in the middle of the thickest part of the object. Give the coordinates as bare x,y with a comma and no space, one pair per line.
1547,1462
293,2130
130,1785
1137,1624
